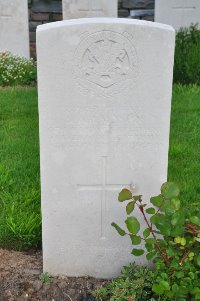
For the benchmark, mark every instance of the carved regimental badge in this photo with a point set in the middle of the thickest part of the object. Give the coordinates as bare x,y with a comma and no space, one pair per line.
105,63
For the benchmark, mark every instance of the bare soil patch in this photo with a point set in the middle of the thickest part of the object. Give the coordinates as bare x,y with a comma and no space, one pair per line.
19,280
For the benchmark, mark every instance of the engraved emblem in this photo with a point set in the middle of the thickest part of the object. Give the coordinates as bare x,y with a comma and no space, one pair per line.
105,63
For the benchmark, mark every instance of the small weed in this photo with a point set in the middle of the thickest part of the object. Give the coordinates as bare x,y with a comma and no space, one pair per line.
45,278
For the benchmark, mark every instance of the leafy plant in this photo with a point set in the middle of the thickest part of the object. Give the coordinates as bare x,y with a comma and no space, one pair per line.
171,238
134,283
16,70
45,278
101,293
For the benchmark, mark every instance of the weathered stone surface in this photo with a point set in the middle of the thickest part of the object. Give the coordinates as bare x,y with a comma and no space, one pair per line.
104,103
74,9
14,35
135,4
177,13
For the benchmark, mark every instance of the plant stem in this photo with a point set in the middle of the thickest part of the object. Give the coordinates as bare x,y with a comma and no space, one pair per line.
162,253
186,254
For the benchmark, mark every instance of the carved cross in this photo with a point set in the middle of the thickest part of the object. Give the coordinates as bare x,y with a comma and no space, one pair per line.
103,187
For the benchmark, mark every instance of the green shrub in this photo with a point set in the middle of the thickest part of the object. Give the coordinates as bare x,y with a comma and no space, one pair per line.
15,70
171,238
134,284
187,56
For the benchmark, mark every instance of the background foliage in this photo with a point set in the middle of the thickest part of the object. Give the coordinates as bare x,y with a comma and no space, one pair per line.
187,56
15,70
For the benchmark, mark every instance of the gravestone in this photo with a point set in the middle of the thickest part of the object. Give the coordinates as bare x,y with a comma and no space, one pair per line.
14,33
104,106
177,13
74,9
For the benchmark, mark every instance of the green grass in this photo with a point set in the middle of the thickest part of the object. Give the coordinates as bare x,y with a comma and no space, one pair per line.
19,168
184,153
20,225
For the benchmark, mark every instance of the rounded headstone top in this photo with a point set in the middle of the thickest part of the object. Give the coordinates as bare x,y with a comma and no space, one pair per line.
81,21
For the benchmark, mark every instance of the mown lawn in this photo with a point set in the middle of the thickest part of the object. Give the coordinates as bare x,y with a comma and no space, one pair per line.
19,168
20,224
184,153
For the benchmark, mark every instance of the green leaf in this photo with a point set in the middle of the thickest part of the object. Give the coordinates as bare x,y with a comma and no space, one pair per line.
119,230
150,241
177,230
124,195
137,252
165,205
137,197
132,224
149,247
170,190
176,203
150,210
165,285
175,288
136,240
179,275
178,218
164,228
169,210
146,233
195,220
150,255
195,290
164,276
130,207
157,218
198,260
156,288
157,200
192,275
172,251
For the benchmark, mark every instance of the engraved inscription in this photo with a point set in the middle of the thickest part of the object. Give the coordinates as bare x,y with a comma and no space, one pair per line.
184,7
103,187
88,8
5,11
105,63
91,6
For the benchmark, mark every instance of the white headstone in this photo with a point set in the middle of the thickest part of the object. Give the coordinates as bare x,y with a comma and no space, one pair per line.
14,32
177,13
104,103
75,9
